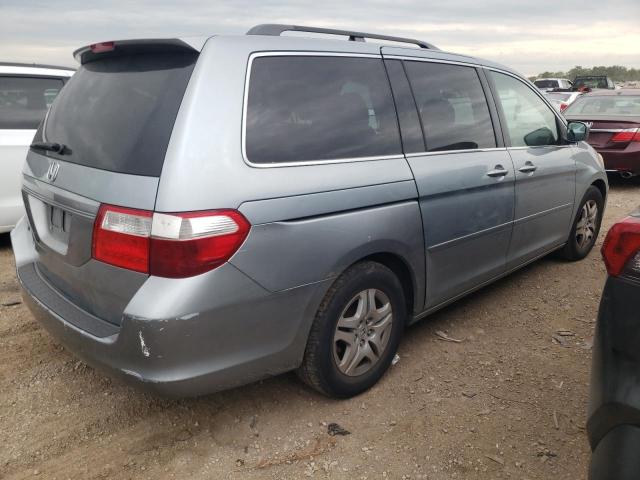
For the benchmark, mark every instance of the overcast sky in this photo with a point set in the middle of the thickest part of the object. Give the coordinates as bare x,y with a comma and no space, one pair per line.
530,36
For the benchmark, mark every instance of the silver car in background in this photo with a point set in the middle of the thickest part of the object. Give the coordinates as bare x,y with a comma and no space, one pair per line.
203,213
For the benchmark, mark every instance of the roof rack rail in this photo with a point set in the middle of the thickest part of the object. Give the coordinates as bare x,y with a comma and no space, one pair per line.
276,29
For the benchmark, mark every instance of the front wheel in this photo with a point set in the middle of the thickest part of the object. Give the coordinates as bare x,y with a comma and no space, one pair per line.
356,332
586,226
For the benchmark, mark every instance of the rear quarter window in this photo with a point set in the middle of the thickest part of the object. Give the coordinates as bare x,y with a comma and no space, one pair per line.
319,108
24,100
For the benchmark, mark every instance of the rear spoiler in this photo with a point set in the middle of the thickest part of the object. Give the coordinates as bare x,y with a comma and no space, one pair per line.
98,51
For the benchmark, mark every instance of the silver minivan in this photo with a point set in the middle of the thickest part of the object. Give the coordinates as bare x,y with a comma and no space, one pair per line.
207,212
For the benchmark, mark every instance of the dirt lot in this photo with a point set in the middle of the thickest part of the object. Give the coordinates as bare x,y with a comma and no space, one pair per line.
506,402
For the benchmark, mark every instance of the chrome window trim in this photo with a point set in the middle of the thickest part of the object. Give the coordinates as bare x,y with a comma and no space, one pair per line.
569,145
432,60
300,53
609,130
449,152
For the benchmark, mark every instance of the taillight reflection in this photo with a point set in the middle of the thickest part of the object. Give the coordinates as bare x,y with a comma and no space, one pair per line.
621,246
628,135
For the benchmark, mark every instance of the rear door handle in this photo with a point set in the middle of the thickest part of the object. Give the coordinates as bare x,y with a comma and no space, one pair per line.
528,168
498,171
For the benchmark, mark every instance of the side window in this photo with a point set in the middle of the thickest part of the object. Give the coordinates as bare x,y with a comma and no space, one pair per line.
452,106
308,108
24,100
530,122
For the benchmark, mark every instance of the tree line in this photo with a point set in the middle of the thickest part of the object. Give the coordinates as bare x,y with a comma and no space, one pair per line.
616,73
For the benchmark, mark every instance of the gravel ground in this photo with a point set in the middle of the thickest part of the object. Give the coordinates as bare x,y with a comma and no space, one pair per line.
508,401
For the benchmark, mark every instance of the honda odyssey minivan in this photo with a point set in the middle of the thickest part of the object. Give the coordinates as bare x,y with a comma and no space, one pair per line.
207,212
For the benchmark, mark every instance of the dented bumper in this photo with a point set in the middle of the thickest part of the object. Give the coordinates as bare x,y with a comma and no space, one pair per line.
184,337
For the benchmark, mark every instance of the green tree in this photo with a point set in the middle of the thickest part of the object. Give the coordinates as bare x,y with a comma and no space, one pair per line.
617,73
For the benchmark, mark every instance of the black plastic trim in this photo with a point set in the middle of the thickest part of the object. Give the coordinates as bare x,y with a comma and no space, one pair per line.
45,295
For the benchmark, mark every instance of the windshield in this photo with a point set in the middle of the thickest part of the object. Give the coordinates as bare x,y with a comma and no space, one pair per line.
117,114
546,83
591,82
627,105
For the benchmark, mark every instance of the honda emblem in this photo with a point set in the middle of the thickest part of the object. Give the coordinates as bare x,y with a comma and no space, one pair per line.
52,172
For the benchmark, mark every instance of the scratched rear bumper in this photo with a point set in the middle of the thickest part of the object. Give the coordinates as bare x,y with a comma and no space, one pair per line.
183,337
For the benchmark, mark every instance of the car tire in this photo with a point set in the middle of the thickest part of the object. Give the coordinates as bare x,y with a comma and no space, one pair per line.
578,245
355,308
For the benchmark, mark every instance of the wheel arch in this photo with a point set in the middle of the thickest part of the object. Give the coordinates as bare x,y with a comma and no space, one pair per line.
407,276
602,186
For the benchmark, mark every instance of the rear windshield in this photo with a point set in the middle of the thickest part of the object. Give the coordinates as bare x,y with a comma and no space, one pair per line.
591,82
117,114
623,105
319,108
24,100
546,83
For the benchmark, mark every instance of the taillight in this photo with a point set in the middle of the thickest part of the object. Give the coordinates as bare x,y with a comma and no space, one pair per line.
173,245
563,106
121,237
187,244
102,47
621,247
627,135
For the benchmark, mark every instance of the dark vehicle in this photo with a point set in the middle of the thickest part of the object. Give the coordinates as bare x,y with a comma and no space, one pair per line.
614,406
614,120
593,82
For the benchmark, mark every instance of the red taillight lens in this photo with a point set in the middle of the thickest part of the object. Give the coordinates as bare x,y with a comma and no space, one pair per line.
563,106
121,237
174,245
628,135
621,245
187,244
102,47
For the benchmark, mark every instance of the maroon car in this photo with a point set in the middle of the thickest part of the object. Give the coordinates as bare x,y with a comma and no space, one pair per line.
614,119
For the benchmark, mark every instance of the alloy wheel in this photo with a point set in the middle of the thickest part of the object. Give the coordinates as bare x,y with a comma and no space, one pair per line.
362,332
587,225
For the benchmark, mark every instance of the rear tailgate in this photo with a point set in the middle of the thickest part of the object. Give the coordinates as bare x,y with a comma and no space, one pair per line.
115,118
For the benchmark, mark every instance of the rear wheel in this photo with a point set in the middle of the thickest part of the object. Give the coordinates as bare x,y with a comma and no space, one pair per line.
356,331
586,226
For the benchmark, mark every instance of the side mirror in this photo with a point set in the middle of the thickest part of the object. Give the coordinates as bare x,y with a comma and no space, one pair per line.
577,132
539,138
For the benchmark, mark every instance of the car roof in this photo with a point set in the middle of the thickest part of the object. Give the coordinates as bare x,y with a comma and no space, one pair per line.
614,93
35,69
309,43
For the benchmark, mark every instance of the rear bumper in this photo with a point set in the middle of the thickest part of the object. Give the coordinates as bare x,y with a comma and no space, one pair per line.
615,376
219,330
627,160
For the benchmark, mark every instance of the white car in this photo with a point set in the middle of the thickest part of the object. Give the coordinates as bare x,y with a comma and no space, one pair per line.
550,84
561,100
26,92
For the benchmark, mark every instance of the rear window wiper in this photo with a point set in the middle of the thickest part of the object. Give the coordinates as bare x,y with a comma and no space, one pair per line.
59,148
